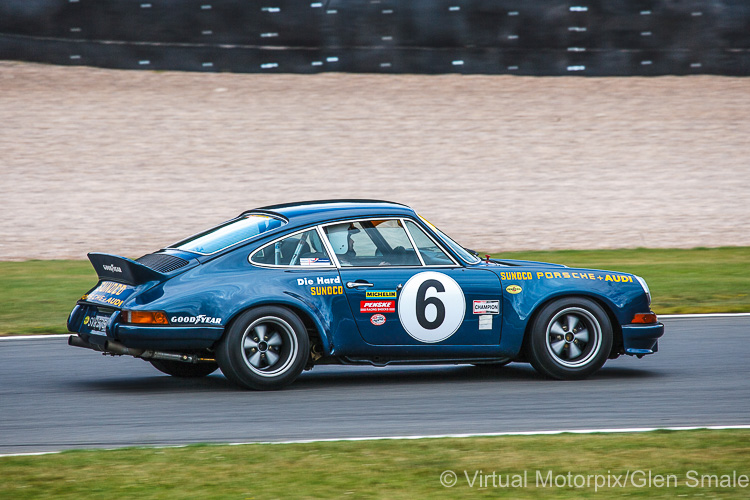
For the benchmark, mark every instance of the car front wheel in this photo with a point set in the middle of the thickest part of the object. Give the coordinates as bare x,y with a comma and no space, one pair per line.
570,338
265,348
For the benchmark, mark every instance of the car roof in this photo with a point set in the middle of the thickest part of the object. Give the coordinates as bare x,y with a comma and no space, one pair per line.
306,212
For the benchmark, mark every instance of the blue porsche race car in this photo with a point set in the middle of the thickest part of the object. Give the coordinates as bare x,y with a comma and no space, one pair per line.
283,288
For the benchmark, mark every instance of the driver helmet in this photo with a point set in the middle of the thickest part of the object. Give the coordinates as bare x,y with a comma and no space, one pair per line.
338,237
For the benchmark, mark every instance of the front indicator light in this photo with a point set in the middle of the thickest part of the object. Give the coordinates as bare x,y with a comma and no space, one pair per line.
645,318
146,317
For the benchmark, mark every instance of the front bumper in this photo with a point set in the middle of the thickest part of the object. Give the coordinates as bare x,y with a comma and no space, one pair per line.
639,340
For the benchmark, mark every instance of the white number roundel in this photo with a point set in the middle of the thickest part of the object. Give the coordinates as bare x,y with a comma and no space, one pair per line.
431,306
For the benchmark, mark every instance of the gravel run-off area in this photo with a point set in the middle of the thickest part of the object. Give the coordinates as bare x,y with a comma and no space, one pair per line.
130,161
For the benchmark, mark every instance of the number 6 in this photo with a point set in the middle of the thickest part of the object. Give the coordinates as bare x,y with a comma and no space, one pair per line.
423,302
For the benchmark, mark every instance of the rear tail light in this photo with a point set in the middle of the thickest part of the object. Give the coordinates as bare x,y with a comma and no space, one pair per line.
645,318
145,317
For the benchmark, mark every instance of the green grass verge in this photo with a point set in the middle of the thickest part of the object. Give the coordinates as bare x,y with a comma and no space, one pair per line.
401,469
36,296
700,280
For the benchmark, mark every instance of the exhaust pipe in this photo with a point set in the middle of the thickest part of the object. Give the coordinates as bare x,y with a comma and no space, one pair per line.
117,349
76,341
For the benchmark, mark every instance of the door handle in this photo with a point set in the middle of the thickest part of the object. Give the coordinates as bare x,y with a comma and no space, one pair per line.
357,284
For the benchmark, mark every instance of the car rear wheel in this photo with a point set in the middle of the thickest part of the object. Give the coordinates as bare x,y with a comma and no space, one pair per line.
570,338
185,370
265,348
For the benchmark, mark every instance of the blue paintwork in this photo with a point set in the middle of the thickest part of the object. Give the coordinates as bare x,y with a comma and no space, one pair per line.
214,289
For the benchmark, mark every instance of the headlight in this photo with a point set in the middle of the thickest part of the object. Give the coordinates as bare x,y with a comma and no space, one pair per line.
645,288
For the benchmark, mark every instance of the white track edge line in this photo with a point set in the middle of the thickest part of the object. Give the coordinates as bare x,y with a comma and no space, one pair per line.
35,337
661,316
624,430
704,315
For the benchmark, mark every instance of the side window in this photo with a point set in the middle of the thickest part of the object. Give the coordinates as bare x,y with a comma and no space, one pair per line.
301,249
372,243
432,255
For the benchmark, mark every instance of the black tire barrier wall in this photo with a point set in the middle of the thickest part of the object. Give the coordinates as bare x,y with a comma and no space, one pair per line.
528,37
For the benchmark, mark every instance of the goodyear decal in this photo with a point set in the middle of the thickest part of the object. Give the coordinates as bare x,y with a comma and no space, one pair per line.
316,285
193,320
380,294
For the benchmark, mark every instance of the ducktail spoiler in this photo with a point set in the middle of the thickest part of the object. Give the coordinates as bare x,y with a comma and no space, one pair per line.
123,270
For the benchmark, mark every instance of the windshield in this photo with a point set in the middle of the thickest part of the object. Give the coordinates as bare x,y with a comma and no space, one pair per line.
228,234
461,251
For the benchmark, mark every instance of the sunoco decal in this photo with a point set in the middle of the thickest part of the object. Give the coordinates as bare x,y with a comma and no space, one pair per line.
201,319
576,275
486,307
110,293
336,289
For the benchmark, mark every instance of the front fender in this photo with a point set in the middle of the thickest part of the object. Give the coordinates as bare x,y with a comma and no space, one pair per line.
525,290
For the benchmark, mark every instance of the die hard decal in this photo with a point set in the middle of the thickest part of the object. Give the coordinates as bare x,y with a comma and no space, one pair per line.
318,285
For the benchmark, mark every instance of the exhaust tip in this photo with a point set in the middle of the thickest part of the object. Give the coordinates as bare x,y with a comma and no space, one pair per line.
76,341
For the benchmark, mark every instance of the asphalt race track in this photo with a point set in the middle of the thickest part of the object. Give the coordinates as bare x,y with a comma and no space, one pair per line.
55,397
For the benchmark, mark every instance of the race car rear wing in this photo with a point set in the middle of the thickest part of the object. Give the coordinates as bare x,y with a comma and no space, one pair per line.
123,270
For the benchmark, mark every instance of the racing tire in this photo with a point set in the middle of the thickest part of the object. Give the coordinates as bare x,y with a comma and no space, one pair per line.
264,349
570,338
184,370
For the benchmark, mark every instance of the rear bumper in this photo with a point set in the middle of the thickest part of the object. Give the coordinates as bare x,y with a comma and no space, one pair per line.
145,337
639,340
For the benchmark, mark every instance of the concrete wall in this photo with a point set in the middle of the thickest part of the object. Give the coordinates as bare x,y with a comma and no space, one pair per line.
527,37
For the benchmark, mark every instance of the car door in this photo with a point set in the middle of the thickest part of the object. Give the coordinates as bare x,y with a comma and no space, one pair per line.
404,289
